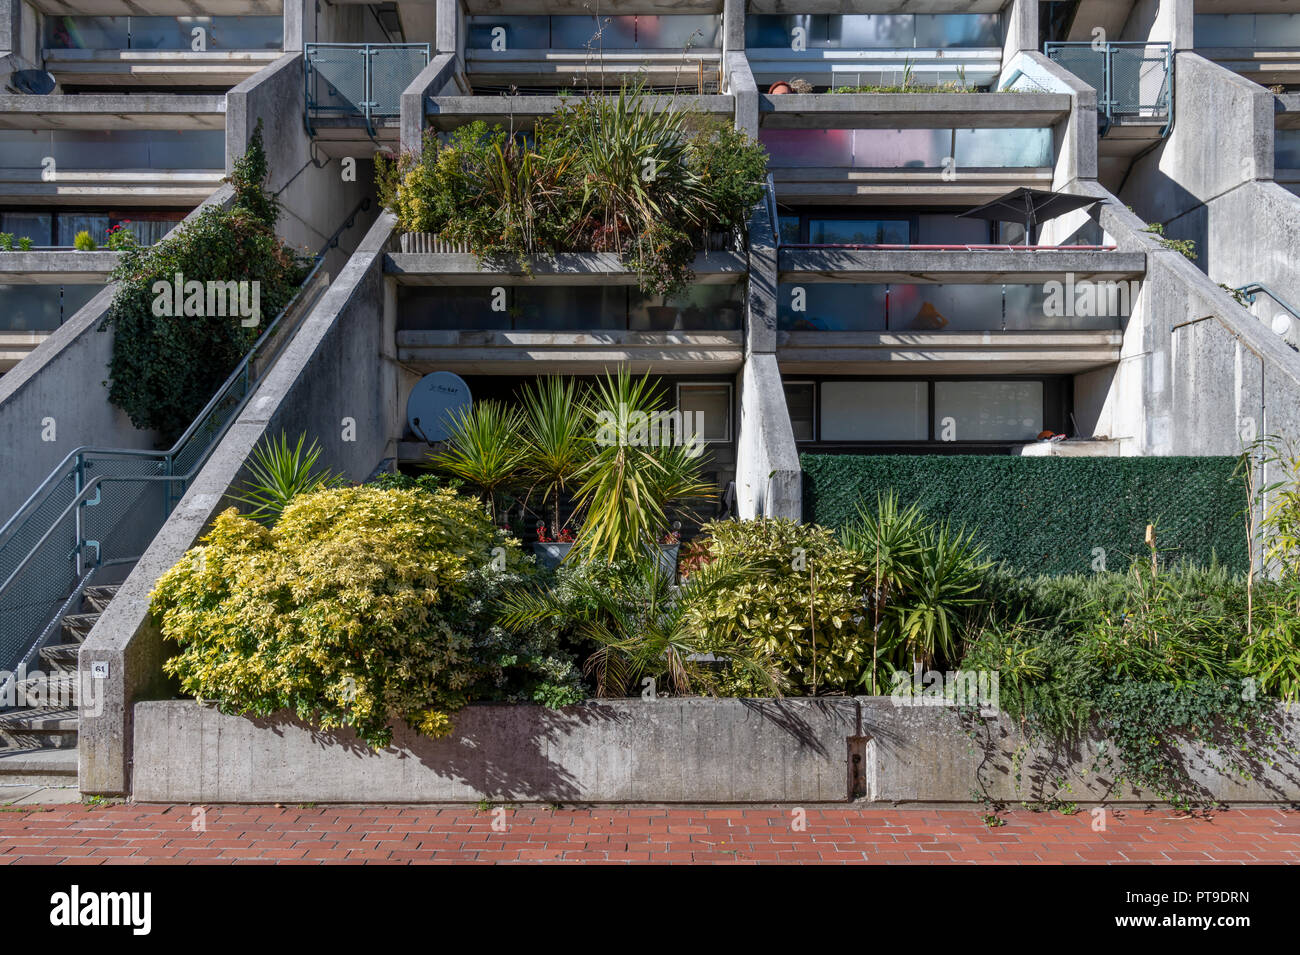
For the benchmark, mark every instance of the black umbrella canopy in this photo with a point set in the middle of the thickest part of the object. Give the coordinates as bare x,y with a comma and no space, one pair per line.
1029,206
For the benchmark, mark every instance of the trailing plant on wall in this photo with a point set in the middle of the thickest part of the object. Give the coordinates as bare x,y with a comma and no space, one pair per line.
628,173
165,367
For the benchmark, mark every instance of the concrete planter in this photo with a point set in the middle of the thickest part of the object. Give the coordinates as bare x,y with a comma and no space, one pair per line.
666,750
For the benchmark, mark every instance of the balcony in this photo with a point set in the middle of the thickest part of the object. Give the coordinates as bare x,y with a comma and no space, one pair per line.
579,313
159,52
354,92
1264,47
875,49
1028,310
545,53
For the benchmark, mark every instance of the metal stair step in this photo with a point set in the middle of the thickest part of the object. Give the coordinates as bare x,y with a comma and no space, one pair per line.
77,626
61,657
97,598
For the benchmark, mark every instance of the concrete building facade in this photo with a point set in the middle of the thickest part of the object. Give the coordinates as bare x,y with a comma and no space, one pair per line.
860,311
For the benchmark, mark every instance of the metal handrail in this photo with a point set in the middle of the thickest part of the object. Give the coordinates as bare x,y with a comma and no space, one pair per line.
61,470
1107,101
958,247
1253,290
772,212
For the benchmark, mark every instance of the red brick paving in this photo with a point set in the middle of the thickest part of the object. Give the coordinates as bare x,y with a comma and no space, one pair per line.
135,834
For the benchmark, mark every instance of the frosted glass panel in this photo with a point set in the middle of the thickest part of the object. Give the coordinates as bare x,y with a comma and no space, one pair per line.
163,33
702,31
871,32
944,308
989,410
877,31
799,400
999,148
800,148
672,32
70,225
942,31
1258,30
901,148
521,33
874,411
41,308
579,32
831,306
950,230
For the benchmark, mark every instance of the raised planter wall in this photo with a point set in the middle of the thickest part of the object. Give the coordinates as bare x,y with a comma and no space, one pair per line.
649,751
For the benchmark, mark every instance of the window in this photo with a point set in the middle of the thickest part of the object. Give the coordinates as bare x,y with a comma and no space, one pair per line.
710,406
859,231
801,401
874,411
988,410
29,225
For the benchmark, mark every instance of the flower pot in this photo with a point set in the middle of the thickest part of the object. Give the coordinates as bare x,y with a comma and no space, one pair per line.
663,318
550,554
780,86
668,560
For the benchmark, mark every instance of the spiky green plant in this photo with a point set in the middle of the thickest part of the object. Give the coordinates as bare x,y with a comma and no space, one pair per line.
634,473
639,624
483,448
557,433
279,473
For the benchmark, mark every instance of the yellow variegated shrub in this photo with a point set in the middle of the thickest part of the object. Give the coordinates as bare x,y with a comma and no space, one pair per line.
361,607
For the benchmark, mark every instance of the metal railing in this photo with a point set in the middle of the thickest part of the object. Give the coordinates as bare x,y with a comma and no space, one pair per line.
103,506
359,79
1134,81
1288,330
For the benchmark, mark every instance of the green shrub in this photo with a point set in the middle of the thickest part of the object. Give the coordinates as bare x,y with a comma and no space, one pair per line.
164,369
83,242
361,607
6,241
619,173
798,613
1050,515
25,244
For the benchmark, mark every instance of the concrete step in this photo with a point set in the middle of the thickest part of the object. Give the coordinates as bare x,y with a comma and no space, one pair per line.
38,767
38,729
77,626
54,690
61,657
96,599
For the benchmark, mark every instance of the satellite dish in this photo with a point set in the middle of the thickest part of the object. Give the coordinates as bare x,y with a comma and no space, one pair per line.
33,82
434,402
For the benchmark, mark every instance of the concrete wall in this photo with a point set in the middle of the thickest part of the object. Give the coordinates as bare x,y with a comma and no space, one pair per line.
315,197
338,366
654,751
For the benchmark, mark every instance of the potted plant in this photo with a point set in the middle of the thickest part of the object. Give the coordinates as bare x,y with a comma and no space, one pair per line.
556,446
663,318
550,552
669,547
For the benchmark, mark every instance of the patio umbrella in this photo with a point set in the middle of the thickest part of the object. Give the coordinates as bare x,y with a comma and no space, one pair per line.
1029,206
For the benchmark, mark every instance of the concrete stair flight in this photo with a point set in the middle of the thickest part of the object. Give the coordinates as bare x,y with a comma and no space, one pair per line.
38,738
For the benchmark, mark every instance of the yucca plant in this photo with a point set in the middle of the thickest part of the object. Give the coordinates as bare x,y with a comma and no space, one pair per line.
279,473
640,624
483,448
557,434
634,472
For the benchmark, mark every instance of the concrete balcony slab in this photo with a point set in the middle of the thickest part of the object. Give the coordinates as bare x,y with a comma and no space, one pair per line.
570,353
139,187
163,111
586,69
942,353
449,112
56,267
156,68
976,267
912,110
159,8
570,268
909,187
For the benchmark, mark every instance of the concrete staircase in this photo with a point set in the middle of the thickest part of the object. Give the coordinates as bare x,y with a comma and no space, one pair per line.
38,740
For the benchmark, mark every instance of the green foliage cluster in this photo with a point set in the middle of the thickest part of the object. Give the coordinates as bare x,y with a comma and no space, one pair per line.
1050,515
631,174
164,369
362,606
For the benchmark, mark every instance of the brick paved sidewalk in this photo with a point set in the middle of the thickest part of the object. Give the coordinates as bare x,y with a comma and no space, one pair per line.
375,834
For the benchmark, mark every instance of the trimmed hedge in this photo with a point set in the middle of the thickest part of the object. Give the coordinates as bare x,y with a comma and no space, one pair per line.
1045,515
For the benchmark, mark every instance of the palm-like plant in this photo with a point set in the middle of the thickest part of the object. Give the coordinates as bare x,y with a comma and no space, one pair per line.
483,448
278,473
635,472
558,438
640,624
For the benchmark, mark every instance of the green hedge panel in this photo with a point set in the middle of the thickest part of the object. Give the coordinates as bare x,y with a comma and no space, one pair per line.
1045,515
